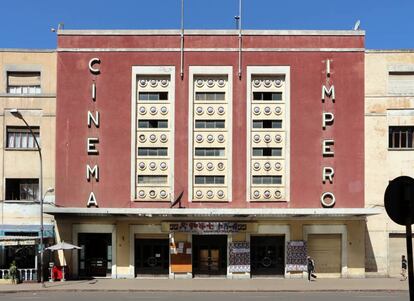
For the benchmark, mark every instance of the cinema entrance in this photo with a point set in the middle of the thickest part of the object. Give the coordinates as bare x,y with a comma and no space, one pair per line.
209,255
267,255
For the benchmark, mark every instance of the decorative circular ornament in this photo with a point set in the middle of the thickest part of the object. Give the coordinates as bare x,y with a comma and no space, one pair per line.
153,110
152,261
328,199
142,138
153,138
141,194
210,194
210,166
210,83
256,138
153,82
142,110
278,166
256,194
163,166
278,138
163,138
267,110
152,194
256,166
278,110
266,194
152,166
200,83
210,111
220,194
199,166
267,138
164,110
199,138
278,83
256,83
163,194
199,110
278,194
141,165
220,138
221,83
220,110
143,83
220,166
266,262
164,83
210,138
267,166
256,110
199,194
267,83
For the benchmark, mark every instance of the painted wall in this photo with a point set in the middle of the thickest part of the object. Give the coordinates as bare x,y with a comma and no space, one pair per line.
114,104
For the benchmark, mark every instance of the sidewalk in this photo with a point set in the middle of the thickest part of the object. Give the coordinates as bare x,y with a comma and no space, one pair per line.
216,285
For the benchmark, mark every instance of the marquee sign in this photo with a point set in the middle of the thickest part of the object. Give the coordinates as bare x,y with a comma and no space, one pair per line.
208,227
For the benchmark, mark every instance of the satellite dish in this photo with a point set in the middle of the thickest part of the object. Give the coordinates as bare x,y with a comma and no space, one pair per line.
357,24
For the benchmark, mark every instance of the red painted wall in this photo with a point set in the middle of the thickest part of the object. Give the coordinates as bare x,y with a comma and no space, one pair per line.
114,104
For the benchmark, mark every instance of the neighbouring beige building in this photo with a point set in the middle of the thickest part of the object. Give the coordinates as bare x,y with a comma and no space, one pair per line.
389,150
28,84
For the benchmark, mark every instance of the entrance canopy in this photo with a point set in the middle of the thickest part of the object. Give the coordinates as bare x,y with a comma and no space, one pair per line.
237,213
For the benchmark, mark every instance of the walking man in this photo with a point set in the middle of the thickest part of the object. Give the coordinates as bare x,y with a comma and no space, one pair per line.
311,268
403,268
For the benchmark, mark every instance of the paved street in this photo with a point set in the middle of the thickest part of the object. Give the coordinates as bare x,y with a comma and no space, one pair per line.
182,296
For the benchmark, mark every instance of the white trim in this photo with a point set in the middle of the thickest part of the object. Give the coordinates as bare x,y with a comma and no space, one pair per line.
268,70
332,229
267,229
177,32
211,70
299,213
94,228
152,70
287,49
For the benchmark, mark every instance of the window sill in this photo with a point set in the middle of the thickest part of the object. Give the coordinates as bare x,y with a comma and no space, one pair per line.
42,95
401,149
21,202
20,149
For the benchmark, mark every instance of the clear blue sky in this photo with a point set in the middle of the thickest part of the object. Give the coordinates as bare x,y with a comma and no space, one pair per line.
27,23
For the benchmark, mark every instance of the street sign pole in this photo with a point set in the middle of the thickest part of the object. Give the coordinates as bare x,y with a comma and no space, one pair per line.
410,260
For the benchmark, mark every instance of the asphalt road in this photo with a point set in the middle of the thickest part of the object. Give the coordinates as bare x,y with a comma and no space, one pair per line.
176,296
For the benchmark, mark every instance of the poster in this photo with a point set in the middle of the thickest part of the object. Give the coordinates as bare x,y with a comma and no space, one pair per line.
296,256
239,257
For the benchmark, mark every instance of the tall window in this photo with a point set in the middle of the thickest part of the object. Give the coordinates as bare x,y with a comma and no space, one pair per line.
400,137
22,189
23,83
21,138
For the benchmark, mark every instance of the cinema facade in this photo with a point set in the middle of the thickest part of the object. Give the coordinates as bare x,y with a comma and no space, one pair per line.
211,153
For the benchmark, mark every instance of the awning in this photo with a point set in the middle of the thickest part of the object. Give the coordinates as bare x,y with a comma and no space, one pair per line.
27,231
236,213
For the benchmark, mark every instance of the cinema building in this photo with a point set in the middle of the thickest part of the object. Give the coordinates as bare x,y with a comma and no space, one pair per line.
211,152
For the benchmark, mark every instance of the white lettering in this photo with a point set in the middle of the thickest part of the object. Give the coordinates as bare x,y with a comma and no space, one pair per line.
92,200
328,199
94,172
328,67
326,147
327,119
93,91
93,119
328,174
92,62
328,92
91,145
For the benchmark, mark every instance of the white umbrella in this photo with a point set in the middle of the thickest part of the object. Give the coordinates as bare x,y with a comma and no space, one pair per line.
63,246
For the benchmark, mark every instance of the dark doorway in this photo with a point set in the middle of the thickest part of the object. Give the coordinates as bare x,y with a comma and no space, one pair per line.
210,254
152,256
95,257
267,255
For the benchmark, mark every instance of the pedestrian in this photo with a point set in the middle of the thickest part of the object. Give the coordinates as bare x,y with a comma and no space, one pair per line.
311,268
403,268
